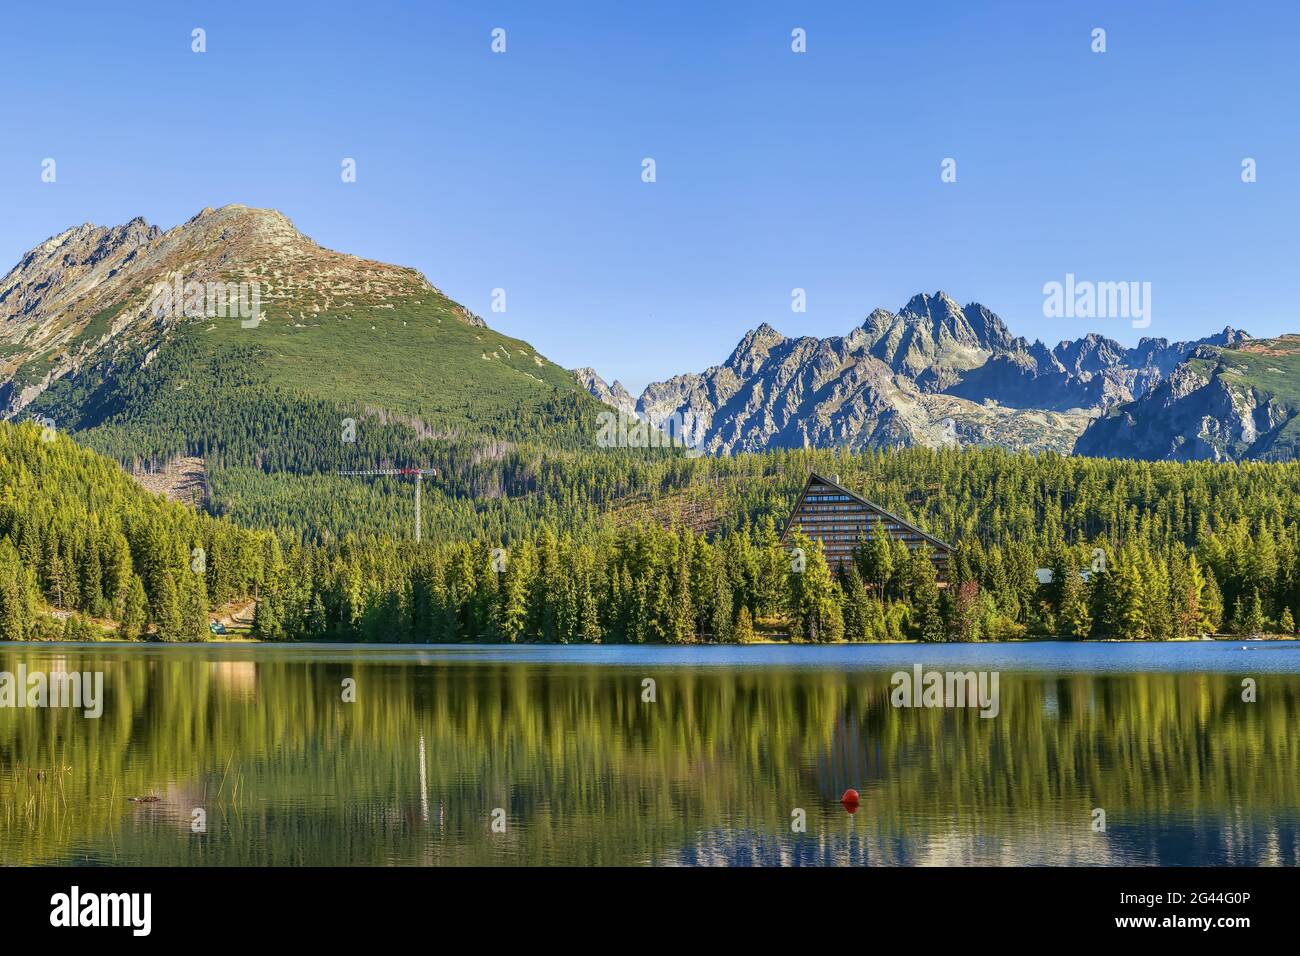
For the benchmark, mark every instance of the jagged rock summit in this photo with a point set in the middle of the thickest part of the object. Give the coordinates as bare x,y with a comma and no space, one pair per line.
933,373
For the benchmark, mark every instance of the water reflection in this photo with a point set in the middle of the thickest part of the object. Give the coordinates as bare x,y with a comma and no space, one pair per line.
588,773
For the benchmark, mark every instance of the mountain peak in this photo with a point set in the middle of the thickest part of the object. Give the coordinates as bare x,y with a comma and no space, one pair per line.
102,304
939,319
245,224
926,305
752,350
1228,337
759,339
616,396
48,299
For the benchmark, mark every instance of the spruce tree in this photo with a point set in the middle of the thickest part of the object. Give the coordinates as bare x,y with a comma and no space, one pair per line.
723,623
1256,623
135,610
964,624
1131,615
681,613
855,606
195,608
167,613
1076,619
1239,624
1211,606
744,632
926,622
16,605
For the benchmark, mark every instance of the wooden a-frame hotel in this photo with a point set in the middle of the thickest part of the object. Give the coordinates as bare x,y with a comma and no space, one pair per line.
829,513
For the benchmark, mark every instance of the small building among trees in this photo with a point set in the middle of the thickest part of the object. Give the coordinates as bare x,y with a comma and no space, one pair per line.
831,514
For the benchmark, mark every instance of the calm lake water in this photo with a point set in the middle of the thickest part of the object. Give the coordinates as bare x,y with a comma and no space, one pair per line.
586,772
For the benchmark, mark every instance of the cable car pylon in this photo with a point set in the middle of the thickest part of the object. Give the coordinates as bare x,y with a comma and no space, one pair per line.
417,473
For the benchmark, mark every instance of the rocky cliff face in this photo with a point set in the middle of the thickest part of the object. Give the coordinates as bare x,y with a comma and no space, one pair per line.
933,373
1092,372
615,396
1218,405
932,339
76,265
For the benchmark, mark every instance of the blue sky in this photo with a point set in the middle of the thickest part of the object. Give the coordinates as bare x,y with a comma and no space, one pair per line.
775,170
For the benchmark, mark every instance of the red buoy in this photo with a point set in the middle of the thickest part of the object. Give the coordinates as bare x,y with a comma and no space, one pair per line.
850,800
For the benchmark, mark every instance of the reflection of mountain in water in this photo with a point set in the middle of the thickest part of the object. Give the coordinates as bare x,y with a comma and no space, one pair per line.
836,841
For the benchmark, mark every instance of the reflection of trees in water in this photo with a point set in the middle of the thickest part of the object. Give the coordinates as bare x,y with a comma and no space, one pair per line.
843,764
588,773
853,756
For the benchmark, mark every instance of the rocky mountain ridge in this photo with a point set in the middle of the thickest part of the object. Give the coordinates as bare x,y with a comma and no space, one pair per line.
90,287
80,314
933,373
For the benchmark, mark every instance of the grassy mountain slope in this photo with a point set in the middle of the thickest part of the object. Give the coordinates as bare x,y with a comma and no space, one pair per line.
332,329
415,356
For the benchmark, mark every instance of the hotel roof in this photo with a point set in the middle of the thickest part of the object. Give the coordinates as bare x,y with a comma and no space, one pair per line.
822,479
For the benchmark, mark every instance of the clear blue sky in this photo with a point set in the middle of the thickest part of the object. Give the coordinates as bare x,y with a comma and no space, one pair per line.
775,170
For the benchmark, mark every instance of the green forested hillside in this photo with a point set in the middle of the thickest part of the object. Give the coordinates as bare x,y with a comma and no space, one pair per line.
619,546
276,397
1172,550
391,384
77,534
